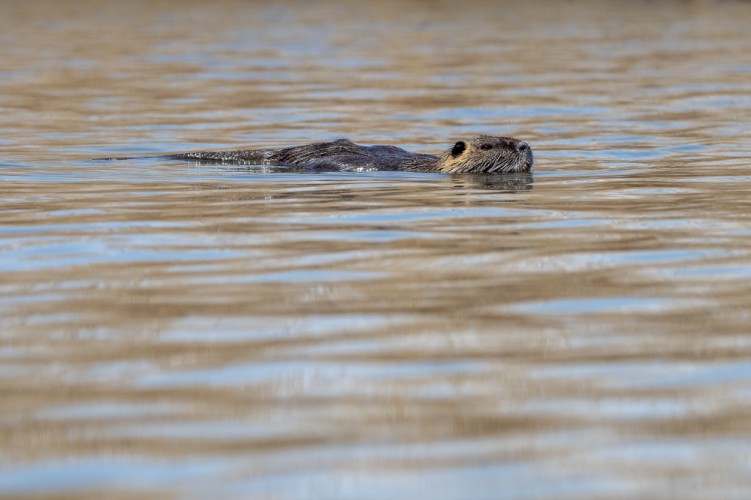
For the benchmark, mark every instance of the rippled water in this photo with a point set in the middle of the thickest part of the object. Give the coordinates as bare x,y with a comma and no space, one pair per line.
170,329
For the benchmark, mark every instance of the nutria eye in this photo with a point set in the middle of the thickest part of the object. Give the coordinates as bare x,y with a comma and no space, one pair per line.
458,148
486,146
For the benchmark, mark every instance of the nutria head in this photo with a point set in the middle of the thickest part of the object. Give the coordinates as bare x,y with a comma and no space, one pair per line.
487,154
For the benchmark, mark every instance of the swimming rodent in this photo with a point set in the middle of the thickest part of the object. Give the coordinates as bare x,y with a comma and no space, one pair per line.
479,154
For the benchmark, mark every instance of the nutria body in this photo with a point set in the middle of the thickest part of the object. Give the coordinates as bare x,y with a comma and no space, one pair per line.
479,154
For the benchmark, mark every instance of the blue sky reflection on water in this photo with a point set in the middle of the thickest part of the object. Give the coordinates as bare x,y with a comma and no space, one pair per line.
177,329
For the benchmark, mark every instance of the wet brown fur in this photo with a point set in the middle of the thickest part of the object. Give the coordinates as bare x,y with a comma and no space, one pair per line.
479,154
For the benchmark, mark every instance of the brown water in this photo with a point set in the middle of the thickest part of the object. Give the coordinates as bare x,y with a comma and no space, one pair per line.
169,329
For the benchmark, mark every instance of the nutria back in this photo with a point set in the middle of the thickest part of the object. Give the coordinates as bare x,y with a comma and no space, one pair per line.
478,154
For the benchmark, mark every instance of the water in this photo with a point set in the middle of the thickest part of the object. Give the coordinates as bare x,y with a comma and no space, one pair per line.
169,329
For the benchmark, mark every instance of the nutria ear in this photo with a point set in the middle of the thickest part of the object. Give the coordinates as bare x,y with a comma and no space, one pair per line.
458,148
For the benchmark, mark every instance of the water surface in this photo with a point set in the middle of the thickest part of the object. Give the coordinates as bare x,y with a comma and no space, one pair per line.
171,329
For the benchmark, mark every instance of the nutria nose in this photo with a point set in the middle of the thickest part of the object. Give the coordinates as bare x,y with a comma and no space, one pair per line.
522,146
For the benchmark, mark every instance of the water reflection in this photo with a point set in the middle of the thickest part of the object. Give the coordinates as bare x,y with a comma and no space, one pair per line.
172,328
503,182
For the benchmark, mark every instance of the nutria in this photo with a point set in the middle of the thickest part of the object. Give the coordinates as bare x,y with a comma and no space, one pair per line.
479,154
